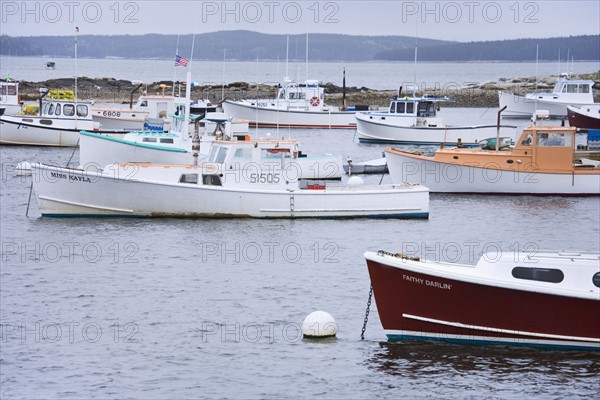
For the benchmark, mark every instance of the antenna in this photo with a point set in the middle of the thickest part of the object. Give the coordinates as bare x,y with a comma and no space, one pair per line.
223,78
76,34
287,53
175,67
416,52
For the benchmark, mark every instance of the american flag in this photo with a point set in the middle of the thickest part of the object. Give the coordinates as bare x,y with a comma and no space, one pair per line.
181,61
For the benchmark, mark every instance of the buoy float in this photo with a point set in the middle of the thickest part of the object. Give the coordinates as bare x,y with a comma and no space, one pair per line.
319,324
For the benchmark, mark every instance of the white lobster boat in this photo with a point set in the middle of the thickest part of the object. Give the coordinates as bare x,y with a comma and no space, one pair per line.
296,106
414,121
541,163
10,102
134,117
58,124
566,92
262,184
176,147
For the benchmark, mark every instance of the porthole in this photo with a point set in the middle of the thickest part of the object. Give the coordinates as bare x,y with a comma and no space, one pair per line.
596,279
538,274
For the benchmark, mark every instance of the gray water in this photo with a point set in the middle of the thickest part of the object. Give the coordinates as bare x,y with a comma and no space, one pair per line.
374,75
171,308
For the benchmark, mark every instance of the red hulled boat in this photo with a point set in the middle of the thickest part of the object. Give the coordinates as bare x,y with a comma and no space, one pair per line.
548,299
584,116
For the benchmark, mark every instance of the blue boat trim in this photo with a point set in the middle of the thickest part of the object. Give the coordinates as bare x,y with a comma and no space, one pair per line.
396,338
142,145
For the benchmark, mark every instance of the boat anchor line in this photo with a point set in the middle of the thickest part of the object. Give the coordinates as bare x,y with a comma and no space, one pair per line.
499,330
364,328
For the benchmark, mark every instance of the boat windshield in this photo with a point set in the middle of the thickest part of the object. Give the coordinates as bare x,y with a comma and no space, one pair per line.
426,109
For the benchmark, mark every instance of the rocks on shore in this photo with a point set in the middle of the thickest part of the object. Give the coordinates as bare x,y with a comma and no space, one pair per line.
120,91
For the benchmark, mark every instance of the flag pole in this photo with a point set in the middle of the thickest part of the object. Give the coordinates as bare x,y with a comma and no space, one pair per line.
175,67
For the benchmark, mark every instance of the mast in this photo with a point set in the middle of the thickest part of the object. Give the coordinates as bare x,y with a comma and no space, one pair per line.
76,34
306,68
175,67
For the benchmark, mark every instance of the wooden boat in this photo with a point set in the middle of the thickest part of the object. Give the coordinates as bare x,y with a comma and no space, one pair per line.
584,116
566,92
10,101
542,163
58,124
414,121
296,106
267,185
176,147
547,299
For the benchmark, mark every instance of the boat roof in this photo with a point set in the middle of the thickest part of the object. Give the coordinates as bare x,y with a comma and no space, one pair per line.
422,98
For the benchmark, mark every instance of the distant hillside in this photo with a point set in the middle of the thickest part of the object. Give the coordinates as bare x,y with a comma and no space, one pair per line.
239,45
580,47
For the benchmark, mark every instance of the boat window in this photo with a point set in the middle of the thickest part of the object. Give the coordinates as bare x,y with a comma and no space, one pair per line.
46,121
596,279
12,90
188,178
27,120
410,108
554,139
392,108
149,139
426,109
144,103
69,110
282,94
3,90
243,154
584,88
526,140
211,180
82,110
45,108
57,111
51,109
274,153
220,155
166,140
400,107
572,88
538,274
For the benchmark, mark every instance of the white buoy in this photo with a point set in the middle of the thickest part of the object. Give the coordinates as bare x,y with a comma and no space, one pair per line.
355,181
319,324
23,169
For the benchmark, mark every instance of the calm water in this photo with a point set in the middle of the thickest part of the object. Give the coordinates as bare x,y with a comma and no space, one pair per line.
168,308
375,75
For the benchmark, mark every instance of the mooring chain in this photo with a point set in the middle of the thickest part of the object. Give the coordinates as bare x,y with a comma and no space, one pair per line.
364,328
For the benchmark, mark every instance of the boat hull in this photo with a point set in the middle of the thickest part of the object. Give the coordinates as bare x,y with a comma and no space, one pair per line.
454,178
584,117
415,302
9,109
372,129
62,192
266,117
13,130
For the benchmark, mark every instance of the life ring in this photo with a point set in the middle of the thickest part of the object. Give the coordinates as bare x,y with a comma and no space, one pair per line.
314,101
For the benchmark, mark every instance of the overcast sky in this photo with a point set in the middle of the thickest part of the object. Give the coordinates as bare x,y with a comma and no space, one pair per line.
450,20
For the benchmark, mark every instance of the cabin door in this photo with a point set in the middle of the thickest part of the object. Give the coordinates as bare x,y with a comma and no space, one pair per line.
554,151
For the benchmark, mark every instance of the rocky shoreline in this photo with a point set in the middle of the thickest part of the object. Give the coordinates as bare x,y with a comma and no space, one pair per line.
108,90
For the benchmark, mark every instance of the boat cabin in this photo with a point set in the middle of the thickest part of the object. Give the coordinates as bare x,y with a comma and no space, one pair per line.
308,96
548,149
9,92
566,90
66,110
424,107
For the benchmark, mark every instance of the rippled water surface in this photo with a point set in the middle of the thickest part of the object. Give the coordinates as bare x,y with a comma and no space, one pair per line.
105,308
